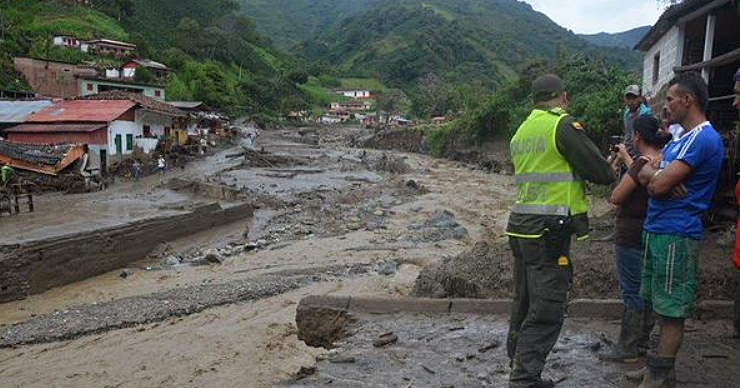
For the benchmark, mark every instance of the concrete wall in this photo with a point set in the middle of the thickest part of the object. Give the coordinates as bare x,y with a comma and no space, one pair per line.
668,47
122,128
35,267
92,86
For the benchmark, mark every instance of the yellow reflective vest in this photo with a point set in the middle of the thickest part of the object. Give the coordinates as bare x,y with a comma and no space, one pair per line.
546,183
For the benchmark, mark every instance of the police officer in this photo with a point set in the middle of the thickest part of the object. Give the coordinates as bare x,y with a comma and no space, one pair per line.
553,157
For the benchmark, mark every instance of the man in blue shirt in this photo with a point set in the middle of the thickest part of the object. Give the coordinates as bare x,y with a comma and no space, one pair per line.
634,108
681,188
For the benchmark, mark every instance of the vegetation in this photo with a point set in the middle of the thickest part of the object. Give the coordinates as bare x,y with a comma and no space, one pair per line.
596,99
626,39
217,55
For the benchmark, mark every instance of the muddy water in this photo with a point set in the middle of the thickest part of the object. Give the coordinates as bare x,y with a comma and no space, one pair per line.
58,214
470,351
253,344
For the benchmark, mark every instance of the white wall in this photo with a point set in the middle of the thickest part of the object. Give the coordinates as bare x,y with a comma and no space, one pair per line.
147,91
668,48
112,73
122,128
155,121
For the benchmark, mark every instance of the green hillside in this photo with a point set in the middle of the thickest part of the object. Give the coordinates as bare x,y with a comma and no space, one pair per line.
216,54
626,39
289,22
481,41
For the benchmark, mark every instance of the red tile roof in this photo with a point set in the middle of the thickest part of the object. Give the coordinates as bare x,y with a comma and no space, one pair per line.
82,111
44,128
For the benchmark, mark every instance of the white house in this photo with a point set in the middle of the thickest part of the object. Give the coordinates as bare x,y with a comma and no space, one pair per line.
359,94
66,41
701,36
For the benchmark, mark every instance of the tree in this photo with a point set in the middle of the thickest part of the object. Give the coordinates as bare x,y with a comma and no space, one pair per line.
298,77
390,103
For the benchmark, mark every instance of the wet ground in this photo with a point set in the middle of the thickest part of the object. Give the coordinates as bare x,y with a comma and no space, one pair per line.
58,214
331,220
469,351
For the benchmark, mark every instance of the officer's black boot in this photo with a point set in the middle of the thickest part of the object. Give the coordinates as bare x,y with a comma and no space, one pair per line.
661,372
626,349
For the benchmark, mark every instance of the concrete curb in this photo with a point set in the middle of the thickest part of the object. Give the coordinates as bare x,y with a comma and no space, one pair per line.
578,308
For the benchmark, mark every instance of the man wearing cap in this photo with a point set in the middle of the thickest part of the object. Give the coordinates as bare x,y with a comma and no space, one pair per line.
736,103
634,108
553,157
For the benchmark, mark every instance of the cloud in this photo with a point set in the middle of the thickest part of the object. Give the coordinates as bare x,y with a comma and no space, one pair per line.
592,16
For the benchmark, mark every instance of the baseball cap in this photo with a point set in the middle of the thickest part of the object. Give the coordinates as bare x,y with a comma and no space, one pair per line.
547,87
633,90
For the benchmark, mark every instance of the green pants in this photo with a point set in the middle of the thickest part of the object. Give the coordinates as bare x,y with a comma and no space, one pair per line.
669,273
537,313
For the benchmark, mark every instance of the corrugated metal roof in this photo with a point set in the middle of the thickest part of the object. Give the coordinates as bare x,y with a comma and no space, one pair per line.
82,111
18,111
42,154
46,128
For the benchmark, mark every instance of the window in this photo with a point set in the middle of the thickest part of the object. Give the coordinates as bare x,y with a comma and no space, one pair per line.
129,142
89,87
147,131
158,93
656,68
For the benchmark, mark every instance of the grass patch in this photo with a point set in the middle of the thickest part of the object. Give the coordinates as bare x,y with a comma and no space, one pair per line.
372,84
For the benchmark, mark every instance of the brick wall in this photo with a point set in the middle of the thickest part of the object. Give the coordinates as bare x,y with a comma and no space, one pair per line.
52,79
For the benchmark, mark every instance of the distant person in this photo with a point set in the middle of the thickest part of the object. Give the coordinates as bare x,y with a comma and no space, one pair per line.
552,157
681,187
736,103
161,166
136,169
6,173
632,202
635,107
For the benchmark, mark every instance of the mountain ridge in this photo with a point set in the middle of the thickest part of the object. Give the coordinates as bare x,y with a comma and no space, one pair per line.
624,39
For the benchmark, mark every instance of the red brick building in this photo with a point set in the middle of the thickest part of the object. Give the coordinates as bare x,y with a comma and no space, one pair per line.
51,78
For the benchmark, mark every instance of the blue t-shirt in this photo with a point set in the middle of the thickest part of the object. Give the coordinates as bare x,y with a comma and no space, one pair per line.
703,150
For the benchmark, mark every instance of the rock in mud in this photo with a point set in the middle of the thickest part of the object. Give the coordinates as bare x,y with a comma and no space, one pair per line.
214,258
322,327
389,268
442,225
126,273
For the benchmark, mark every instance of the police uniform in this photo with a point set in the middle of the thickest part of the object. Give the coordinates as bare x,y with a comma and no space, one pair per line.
553,157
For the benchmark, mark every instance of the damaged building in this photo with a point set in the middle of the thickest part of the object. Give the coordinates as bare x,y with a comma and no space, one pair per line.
111,126
701,36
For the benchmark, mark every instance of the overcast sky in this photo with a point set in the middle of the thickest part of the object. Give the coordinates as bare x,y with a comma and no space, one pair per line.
592,16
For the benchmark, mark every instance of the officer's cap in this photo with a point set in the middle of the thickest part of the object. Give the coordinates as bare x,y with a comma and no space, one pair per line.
547,87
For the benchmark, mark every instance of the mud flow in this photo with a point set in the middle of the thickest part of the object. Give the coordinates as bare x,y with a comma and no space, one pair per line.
192,279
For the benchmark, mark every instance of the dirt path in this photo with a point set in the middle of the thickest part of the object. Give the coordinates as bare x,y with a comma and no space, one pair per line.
353,212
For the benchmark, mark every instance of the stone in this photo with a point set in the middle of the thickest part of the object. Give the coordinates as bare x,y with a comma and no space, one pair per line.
388,268
214,258
322,326
172,261
126,273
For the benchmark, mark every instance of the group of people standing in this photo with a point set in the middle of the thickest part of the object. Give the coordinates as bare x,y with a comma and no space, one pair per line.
670,170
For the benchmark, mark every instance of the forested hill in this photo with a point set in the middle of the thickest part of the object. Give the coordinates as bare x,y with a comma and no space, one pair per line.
216,54
626,39
290,22
484,41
